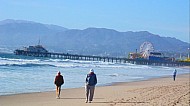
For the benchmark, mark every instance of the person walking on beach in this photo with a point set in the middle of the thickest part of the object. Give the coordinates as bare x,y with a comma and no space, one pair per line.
91,81
58,82
174,74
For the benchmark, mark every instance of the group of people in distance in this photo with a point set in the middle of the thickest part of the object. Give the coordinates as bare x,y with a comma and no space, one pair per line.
91,81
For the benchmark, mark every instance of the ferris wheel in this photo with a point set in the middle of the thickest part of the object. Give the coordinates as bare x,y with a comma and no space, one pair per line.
146,48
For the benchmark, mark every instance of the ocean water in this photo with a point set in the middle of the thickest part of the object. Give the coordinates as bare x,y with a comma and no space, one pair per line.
21,74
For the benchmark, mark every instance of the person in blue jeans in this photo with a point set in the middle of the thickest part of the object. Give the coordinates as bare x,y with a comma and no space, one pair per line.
174,74
91,81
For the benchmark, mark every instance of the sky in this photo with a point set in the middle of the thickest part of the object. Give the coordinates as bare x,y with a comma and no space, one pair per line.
167,18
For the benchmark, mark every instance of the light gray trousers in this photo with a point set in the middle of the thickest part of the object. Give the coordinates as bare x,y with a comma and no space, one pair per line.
89,92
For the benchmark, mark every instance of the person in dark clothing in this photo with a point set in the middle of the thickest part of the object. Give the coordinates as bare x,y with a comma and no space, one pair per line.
91,81
58,82
174,74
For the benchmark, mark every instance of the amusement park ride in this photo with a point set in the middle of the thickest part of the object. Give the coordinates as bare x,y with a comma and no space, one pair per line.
146,48
147,52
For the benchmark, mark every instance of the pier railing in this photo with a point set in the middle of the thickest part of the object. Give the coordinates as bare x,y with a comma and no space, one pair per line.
101,58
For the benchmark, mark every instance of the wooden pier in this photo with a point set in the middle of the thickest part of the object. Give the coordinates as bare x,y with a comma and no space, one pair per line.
101,58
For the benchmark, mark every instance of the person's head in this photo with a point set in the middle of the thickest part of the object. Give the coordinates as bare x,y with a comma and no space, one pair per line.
58,73
91,71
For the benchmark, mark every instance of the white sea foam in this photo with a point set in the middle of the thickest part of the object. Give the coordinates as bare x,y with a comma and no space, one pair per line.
59,63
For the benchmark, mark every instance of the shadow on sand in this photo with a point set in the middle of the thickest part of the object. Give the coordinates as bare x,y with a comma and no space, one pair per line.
120,102
80,98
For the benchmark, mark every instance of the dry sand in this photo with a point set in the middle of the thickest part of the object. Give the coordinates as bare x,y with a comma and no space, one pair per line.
153,92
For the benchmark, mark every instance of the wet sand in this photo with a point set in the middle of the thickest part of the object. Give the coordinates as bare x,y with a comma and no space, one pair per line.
153,92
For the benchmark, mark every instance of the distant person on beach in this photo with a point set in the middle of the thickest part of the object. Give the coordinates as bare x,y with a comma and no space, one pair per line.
174,74
58,82
91,81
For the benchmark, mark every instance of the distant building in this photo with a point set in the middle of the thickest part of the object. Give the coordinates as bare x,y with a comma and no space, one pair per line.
37,48
34,49
157,56
134,55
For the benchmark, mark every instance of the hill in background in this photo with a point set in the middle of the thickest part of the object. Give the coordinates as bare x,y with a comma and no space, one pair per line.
91,41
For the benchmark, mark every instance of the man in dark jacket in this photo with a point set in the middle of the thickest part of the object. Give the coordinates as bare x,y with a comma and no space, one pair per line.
58,82
91,81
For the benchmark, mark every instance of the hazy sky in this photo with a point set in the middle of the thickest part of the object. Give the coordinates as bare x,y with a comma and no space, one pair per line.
161,17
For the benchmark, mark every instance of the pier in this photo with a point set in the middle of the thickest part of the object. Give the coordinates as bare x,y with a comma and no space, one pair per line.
101,58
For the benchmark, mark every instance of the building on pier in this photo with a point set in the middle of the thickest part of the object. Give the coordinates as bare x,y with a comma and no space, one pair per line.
36,49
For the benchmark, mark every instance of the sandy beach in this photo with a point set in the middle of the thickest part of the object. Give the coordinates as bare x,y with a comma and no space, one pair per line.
153,92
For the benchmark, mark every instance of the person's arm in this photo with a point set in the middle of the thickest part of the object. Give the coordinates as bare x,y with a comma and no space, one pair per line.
55,80
95,81
86,78
62,80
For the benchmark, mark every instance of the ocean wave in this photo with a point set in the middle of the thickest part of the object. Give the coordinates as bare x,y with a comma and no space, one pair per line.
19,60
64,63
22,64
113,75
117,75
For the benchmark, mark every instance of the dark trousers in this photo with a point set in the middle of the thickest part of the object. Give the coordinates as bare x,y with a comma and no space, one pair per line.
174,77
58,91
89,92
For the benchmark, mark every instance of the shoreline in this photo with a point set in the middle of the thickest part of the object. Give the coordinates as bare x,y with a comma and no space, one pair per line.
103,85
154,91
